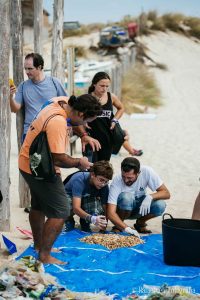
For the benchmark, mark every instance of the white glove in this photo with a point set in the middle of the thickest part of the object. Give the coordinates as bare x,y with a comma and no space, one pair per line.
99,221
145,206
132,231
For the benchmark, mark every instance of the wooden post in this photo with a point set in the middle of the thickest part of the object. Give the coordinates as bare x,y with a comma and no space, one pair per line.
70,90
16,33
70,71
38,23
57,43
5,116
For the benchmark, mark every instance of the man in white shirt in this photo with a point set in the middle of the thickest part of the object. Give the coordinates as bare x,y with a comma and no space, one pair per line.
128,198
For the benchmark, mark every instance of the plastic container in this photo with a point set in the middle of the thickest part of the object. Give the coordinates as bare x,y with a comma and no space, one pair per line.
181,241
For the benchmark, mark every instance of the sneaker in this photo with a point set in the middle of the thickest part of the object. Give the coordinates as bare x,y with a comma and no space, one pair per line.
69,225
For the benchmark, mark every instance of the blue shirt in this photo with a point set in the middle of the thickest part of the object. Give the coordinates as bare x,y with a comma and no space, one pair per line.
33,95
79,186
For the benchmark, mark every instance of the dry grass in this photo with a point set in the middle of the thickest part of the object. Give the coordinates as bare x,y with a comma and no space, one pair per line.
175,22
84,29
139,88
194,24
79,51
76,32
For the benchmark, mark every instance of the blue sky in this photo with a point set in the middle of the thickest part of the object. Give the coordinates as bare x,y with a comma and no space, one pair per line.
91,11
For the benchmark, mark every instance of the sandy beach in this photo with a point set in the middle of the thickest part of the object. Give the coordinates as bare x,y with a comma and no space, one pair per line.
170,140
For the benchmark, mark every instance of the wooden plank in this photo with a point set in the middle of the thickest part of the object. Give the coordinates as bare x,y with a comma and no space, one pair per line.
5,116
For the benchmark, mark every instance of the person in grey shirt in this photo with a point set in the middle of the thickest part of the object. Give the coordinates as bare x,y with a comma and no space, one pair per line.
35,91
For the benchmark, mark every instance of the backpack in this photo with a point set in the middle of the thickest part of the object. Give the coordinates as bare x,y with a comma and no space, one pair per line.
40,158
65,181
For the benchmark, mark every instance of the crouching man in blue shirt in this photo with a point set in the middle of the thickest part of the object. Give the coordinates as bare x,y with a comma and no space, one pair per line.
87,195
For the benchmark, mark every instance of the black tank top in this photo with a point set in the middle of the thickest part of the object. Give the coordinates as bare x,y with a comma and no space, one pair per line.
100,127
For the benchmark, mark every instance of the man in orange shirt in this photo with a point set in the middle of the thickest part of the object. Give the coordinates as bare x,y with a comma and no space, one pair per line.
48,199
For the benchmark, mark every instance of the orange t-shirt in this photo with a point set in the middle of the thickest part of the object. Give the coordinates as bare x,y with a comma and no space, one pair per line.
56,130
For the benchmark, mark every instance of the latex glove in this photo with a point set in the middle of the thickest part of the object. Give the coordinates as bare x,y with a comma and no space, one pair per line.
99,221
132,231
145,206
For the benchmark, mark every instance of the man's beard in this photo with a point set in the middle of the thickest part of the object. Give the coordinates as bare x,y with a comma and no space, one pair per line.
129,183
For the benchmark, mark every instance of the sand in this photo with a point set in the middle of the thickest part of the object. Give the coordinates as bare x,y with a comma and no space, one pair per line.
170,141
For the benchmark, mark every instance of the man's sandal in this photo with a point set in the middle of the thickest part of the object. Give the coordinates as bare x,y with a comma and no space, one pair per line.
142,228
115,230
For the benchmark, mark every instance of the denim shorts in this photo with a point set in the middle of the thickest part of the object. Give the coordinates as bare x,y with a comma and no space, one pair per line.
128,202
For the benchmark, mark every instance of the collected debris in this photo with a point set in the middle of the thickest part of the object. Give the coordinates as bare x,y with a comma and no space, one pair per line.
18,281
112,241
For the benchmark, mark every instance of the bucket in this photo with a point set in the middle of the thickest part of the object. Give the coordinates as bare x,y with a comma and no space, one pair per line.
181,241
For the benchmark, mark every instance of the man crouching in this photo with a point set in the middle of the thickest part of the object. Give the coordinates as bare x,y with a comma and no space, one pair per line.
128,198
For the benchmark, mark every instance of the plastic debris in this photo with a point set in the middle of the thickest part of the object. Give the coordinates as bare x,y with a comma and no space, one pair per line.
11,247
28,233
18,281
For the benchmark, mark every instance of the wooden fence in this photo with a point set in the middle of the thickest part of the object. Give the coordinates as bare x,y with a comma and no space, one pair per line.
120,68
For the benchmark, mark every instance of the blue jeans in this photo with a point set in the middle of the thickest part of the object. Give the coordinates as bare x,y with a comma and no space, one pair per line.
129,203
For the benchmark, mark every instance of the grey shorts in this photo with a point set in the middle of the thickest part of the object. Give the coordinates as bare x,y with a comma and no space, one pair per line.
48,197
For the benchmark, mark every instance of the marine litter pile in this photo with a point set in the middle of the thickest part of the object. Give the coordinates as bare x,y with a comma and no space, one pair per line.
25,279
112,241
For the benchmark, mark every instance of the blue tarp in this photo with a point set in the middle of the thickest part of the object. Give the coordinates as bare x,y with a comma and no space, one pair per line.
94,268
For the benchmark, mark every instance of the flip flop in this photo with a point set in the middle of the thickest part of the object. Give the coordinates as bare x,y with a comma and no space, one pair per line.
137,152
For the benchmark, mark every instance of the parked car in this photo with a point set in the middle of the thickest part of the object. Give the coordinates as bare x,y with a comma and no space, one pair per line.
113,37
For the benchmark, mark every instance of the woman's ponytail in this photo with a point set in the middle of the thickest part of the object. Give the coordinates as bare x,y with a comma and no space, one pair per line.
72,100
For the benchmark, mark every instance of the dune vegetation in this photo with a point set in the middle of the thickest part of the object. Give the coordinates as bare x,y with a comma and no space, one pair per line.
139,89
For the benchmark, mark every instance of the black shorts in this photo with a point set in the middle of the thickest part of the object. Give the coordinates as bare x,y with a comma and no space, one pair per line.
48,197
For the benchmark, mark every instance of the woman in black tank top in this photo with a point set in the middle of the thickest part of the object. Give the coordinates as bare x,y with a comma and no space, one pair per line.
101,127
